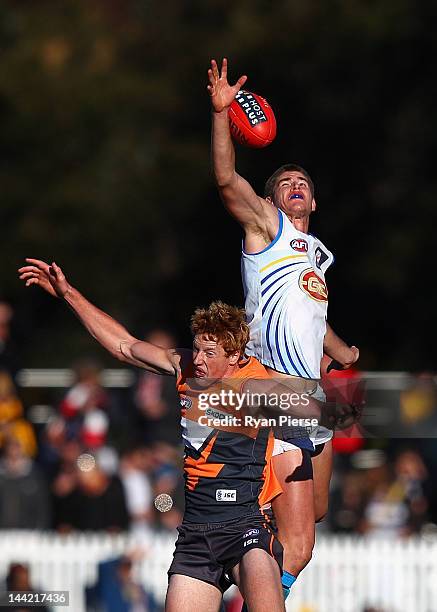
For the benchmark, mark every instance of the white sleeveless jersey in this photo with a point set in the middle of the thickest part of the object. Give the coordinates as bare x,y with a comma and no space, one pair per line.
286,301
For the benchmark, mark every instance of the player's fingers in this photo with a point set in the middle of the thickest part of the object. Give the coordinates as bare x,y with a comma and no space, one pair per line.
28,269
214,69
32,281
57,270
224,73
41,265
241,81
27,275
211,77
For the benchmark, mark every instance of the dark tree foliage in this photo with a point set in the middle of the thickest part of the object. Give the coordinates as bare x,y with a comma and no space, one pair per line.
104,159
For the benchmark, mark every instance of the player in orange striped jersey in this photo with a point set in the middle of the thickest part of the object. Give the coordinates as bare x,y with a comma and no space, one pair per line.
224,536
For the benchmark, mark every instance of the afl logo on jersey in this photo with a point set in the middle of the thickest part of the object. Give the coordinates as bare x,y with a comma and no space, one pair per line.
313,285
299,245
185,401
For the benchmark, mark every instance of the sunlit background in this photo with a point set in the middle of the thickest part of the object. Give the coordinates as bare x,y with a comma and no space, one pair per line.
104,168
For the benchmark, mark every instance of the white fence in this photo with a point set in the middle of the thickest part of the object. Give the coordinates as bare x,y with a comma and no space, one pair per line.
345,575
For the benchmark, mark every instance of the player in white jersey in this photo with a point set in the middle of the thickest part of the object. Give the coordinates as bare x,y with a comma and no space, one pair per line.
287,301
283,270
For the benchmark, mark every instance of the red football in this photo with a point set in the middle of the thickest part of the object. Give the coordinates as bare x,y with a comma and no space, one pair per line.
252,120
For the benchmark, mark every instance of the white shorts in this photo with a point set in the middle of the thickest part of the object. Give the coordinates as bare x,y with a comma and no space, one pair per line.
318,435
281,446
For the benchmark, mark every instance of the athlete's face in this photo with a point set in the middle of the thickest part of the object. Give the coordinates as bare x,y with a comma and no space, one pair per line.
210,360
293,194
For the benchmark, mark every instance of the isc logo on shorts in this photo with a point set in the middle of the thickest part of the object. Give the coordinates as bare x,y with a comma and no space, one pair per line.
251,541
226,495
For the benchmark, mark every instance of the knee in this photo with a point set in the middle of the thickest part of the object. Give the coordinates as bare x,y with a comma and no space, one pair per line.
297,556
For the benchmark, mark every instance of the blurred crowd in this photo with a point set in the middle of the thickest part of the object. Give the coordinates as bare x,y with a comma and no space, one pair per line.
101,457
382,486
116,588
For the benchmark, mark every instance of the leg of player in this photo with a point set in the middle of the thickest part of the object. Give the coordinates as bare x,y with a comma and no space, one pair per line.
322,472
185,594
294,512
259,579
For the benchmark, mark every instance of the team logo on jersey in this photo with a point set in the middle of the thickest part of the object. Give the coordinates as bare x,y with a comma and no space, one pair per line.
186,402
321,257
300,245
313,286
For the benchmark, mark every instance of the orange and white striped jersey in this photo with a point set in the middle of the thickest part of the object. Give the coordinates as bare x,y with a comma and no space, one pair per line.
227,468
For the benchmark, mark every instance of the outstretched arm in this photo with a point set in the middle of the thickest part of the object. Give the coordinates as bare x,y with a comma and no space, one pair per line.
107,331
237,194
339,352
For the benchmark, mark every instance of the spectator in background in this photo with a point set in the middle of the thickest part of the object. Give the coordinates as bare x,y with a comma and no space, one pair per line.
396,503
156,400
347,504
90,500
233,600
18,579
8,351
86,393
418,407
64,485
412,477
52,442
94,429
92,414
24,500
135,466
117,591
85,404
12,423
100,502
167,479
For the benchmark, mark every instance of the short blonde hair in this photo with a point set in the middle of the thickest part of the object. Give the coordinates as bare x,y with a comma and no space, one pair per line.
224,324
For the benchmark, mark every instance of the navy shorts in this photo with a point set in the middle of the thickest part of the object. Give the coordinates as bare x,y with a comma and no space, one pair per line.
209,551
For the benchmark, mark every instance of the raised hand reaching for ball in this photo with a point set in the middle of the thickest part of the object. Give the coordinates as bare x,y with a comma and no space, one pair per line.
251,119
221,92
